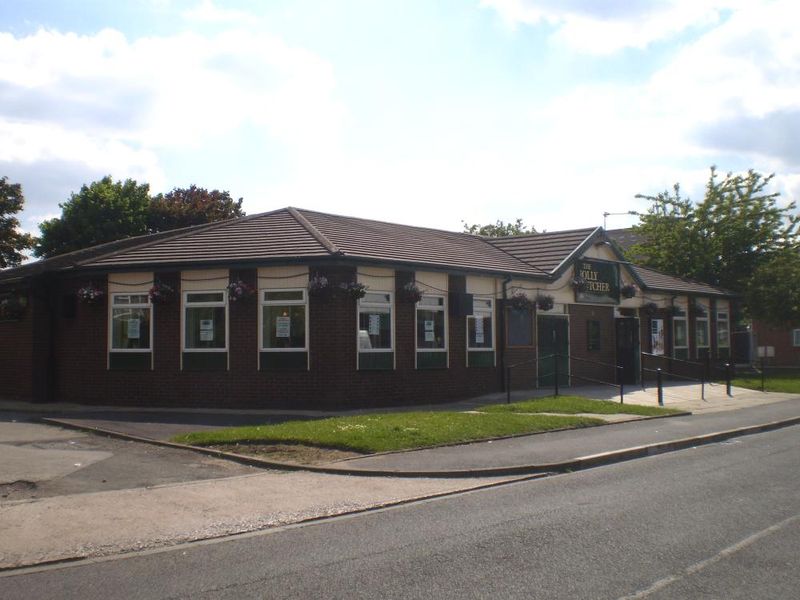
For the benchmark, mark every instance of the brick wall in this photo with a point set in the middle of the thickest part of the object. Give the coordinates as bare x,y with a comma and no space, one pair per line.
16,353
780,338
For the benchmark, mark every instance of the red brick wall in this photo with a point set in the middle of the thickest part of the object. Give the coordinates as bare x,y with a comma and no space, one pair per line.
16,354
779,337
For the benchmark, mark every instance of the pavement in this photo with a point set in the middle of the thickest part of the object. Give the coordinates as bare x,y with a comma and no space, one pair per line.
83,516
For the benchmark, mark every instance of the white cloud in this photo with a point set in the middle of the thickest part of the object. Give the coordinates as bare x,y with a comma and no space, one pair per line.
207,12
607,27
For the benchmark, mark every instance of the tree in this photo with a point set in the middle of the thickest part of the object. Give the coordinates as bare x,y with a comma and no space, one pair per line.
499,229
722,240
100,212
773,292
12,241
183,207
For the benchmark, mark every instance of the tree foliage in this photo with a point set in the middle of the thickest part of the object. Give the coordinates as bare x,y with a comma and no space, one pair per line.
105,211
724,239
12,240
100,212
773,293
183,207
499,229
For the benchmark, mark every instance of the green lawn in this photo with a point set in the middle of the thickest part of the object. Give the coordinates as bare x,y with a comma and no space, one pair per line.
780,381
577,404
390,431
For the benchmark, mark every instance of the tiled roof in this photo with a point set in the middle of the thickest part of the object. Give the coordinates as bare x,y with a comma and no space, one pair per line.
660,281
544,251
625,238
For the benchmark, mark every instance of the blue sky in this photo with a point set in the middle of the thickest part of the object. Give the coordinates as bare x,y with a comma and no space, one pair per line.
418,112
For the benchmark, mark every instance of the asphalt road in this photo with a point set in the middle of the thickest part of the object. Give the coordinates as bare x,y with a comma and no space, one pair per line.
719,521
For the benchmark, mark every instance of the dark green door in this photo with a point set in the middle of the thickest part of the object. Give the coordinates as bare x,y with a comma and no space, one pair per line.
553,338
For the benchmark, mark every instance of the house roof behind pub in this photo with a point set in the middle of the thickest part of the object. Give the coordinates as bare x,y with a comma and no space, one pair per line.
544,251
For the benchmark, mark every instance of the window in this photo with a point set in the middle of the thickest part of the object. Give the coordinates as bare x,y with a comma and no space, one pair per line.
375,322
680,334
480,325
519,327
701,334
796,337
431,333
205,321
283,320
592,335
723,334
130,323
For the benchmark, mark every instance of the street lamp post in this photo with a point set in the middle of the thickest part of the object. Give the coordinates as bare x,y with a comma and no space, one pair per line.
610,214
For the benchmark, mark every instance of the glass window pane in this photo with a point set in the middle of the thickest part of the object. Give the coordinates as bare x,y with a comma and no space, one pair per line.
479,331
702,332
681,339
478,304
205,297
284,326
520,327
431,301
205,327
430,329
723,335
283,296
376,298
130,329
374,330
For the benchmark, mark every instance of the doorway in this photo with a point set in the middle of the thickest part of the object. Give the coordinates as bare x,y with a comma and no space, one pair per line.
553,338
627,334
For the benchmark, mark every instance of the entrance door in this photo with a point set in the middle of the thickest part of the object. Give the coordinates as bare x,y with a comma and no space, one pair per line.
553,338
628,348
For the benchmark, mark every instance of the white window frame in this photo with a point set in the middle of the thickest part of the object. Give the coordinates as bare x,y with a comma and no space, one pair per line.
264,302
675,347
443,309
361,303
727,322
111,306
216,304
796,338
483,312
704,321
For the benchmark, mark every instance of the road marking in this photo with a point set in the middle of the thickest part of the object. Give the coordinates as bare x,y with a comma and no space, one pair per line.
703,564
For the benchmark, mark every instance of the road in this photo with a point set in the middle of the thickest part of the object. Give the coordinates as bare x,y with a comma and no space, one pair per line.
719,521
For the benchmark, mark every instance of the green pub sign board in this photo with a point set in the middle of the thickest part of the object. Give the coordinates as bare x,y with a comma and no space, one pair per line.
599,282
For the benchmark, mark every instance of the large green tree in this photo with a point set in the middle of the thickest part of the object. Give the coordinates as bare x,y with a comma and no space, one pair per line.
12,240
100,212
725,238
773,292
499,229
183,207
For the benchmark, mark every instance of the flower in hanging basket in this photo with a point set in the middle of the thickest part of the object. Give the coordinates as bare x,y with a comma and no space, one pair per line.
520,301
409,293
240,290
160,293
579,283
545,301
353,290
650,308
628,290
318,286
90,294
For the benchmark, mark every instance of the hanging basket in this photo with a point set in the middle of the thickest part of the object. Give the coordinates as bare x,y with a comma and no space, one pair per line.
161,293
628,290
240,290
520,301
545,302
409,293
353,290
91,294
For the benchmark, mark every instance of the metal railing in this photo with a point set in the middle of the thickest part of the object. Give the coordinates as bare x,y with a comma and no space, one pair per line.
705,374
557,375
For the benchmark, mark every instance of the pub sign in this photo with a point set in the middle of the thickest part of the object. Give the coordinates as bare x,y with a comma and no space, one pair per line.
596,282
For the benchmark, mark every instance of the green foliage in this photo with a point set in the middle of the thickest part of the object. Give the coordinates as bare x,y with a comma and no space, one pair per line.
100,212
570,405
389,431
12,241
722,240
183,207
773,292
499,229
785,381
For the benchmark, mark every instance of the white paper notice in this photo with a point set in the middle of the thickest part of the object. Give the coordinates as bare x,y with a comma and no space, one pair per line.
428,325
134,327
283,327
206,330
374,324
657,336
429,336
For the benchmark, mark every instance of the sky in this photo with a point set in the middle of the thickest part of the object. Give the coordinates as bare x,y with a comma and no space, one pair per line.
419,112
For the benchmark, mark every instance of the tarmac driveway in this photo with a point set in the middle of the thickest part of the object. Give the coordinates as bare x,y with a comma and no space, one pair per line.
40,461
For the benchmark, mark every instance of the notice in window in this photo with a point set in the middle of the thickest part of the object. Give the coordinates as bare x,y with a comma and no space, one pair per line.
428,325
374,324
283,327
134,327
657,336
479,330
206,330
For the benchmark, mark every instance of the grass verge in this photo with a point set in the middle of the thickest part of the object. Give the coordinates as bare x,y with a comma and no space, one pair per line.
787,382
577,404
390,431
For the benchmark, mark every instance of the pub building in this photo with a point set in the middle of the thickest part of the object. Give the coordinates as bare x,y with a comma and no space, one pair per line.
301,309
